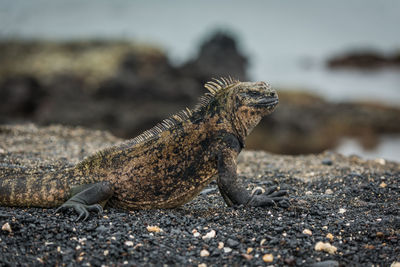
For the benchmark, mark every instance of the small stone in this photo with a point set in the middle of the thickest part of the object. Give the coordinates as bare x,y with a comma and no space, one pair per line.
105,253
268,258
195,233
204,253
154,229
220,245
368,246
341,210
329,236
383,185
308,193
209,235
101,229
327,162
307,232
328,263
381,161
395,264
328,191
6,227
379,234
202,265
262,241
321,246
227,249
247,256
249,250
129,243
232,243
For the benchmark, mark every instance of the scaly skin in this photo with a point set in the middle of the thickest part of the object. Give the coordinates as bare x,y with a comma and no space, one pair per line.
165,166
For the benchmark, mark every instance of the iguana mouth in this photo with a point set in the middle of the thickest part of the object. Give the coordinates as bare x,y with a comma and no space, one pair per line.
266,102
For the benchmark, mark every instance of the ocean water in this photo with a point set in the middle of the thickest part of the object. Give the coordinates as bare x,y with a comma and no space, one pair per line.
288,42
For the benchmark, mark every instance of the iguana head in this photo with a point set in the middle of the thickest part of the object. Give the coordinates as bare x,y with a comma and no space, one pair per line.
245,102
250,102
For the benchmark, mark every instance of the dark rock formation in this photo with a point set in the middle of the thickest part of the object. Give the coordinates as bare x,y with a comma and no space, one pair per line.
367,60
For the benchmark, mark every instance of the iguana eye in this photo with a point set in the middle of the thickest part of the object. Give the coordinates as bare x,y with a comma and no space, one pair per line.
254,94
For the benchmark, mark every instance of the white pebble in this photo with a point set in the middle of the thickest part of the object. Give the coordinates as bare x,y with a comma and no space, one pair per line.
227,249
204,253
129,243
209,235
6,227
321,246
307,232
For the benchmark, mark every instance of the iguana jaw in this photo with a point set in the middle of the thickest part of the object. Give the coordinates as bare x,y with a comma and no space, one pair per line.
265,102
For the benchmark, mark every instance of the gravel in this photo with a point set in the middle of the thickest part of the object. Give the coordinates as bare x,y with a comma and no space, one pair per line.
359,216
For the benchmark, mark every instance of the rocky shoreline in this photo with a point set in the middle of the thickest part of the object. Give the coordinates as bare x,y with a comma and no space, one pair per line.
126,88
344,212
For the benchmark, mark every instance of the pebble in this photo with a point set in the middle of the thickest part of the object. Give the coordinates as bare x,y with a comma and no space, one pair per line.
101,229
342,210
227,249
154,229
247,256
268,258
209,235
327,162
6,227
220,245
202,265
328,191
382,185
204,253
321,246
395,264
129,243
307,232
328,263
232,243
329,236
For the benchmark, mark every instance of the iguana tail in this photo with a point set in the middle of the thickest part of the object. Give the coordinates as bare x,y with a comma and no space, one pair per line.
34,189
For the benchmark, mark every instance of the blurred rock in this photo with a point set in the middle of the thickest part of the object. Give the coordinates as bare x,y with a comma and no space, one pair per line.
364,60
306,123
19,96
219,56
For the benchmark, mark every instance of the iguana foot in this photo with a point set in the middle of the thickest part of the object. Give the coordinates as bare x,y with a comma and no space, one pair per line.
88,199
271,197
81,209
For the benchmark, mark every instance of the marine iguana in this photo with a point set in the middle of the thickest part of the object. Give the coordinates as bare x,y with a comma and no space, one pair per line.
165,166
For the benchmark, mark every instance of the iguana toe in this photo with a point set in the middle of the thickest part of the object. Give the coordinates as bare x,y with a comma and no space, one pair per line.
81,209
271,197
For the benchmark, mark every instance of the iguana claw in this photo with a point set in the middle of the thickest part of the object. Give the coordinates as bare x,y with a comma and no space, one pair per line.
81,209
272,196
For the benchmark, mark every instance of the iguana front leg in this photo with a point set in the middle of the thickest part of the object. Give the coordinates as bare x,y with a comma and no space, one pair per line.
233,192
91,197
